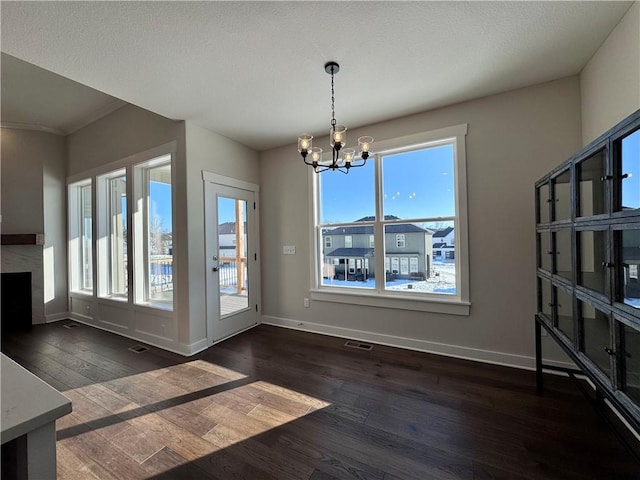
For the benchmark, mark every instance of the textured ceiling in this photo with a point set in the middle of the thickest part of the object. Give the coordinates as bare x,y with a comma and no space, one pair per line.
253,71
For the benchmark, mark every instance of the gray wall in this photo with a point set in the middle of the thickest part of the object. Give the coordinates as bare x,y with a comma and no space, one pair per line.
611,80
208,151
33,201
128,131
513,139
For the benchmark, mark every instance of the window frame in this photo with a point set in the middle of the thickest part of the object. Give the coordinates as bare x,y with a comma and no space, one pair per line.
457,304
76,232
141,235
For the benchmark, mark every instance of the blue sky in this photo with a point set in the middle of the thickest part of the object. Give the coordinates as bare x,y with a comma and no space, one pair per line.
160,204
415,184
631,166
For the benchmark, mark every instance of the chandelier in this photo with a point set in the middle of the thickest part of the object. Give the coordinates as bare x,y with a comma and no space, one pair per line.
342,159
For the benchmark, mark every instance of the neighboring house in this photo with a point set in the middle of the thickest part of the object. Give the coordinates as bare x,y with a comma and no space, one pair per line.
444,236
350,250
227,239
444,249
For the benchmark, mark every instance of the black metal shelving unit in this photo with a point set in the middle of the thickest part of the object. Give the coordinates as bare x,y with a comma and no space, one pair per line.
588,265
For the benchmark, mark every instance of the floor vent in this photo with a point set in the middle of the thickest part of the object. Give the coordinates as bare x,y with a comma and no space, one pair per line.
358,345
138,349
70,325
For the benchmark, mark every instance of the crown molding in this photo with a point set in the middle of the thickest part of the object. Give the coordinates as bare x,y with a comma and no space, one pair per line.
32,126
110,107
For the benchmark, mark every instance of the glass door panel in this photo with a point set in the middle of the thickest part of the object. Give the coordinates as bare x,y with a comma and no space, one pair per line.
632,360
597,339
544,260
545,297
563,253
564,312
628,278
591,187
630,171
593,270
543,203
233,285
562,196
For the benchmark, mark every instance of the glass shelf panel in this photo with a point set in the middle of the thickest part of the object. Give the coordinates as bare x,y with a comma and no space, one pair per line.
596,337
563,253
593,270
562,196
632,359
591,189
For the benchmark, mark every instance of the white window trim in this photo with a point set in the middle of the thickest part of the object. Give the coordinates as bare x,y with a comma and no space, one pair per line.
458,304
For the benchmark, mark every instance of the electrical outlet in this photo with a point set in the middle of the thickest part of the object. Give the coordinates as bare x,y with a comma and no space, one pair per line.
289,250
306,302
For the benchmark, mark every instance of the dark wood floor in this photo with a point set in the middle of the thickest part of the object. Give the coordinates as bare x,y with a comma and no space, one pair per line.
278,404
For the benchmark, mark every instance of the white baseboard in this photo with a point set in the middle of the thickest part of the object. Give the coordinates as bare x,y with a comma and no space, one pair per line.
456,351
198,346
56,317
172,346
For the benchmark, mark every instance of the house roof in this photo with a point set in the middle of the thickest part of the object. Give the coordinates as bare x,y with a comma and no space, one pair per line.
228,228
439,245
351,252
443,232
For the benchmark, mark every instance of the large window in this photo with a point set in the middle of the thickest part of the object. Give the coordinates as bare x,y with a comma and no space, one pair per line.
410,190
80,237
154,232
133,256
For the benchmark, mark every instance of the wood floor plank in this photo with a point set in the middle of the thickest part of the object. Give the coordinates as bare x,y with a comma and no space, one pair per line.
276,404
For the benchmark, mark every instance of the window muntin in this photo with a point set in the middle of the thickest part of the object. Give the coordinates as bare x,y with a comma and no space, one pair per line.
449,208
81,237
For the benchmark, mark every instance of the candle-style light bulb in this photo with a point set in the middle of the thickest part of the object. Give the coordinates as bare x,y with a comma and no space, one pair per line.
304,144
347,155
365,144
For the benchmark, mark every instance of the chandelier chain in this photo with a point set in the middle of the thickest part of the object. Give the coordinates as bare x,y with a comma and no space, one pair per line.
333,110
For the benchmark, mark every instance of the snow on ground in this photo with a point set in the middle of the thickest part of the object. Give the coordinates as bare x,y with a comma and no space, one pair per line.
442,280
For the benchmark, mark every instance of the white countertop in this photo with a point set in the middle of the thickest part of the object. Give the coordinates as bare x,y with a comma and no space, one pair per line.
27,402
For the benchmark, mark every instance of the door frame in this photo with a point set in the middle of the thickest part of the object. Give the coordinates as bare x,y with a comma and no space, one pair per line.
255,277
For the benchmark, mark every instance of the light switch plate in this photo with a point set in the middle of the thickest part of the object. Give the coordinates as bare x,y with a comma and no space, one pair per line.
289,249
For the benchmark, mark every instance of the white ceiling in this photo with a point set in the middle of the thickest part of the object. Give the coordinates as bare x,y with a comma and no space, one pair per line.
253,71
